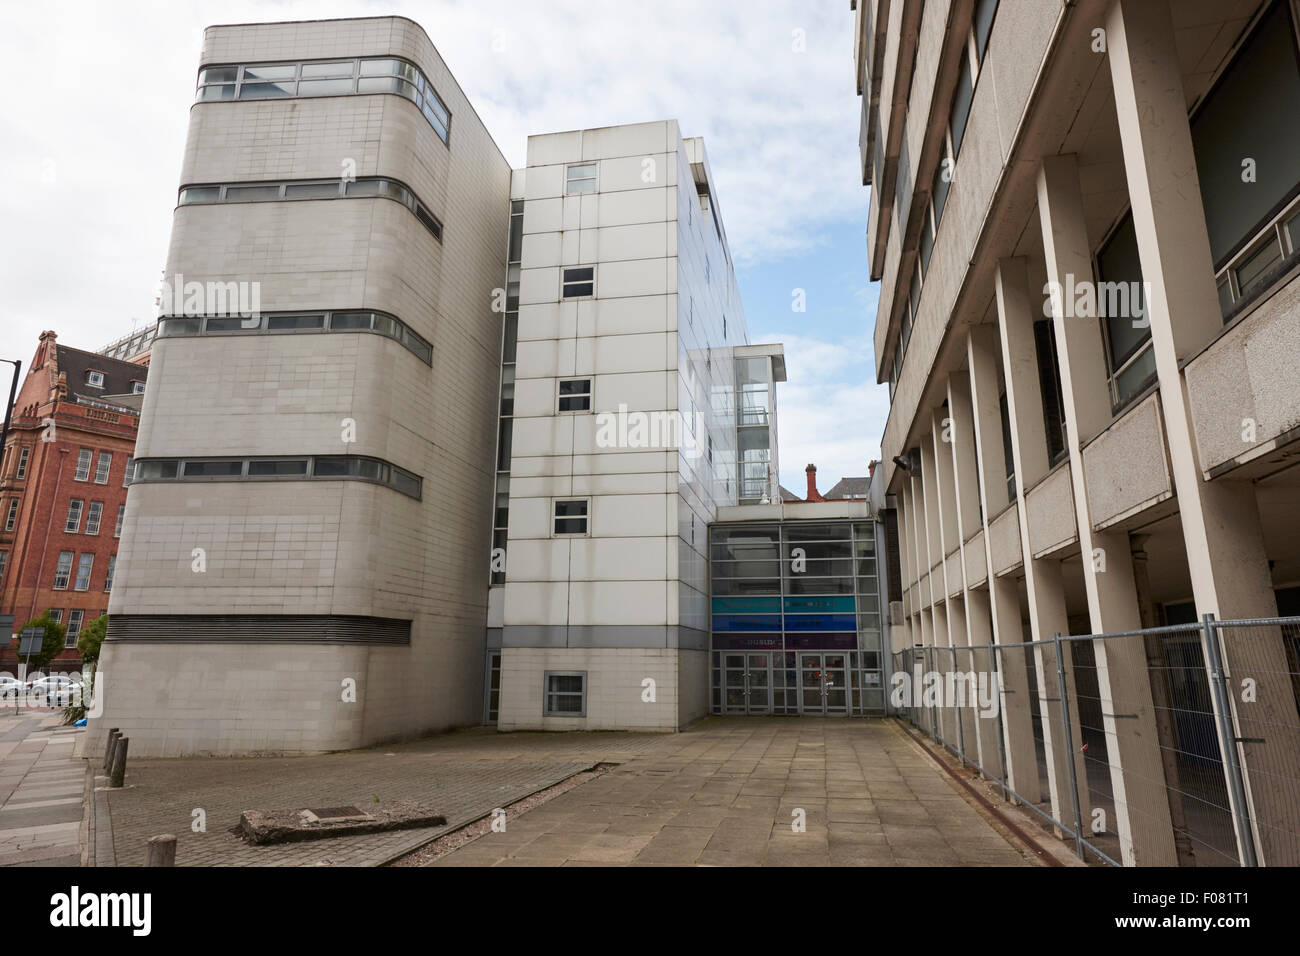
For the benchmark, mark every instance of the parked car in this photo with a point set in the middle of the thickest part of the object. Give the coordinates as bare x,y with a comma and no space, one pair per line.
11,687
55,691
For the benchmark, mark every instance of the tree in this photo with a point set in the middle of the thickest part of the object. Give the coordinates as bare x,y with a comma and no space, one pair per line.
89,640
51,647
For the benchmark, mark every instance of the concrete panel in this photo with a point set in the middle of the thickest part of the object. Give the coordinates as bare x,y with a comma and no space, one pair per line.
1004,540
1247,379
1126,468
976,564
1049,509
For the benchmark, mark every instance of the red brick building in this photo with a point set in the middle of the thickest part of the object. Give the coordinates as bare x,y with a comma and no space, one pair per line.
63,479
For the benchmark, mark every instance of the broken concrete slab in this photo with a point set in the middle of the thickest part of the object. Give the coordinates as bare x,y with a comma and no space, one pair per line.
288,826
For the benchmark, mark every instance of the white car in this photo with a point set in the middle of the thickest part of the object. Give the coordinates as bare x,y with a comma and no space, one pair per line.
55,691
11,687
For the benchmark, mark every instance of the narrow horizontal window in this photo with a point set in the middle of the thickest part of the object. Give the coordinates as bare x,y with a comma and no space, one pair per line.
368,188
326,78
281,322
300,468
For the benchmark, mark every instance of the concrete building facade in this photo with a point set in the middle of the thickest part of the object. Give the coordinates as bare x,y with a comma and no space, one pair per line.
301,561
1084,220
428,442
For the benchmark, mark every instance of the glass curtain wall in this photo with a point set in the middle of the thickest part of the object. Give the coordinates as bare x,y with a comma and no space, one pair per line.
795,619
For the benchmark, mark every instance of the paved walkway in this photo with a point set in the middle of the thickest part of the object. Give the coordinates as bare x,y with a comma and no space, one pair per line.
724,792
730,791
465,775
41,790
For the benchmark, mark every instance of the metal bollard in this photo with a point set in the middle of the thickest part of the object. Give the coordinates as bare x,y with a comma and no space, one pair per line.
161,850
113,734
119,762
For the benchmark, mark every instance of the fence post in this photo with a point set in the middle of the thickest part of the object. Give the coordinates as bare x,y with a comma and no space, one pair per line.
1069,746
934,710
995,668
1228,742
957,707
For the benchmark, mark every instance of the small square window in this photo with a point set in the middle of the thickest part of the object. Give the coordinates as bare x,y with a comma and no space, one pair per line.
95,379
137,388
580,179
566,694
571,516
575,395
579,282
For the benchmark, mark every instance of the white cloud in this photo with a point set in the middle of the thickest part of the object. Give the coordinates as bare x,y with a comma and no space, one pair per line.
829,411
95,125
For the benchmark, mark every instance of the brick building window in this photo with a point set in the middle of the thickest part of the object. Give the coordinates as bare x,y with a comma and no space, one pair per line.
83,572
117,529
94,516
112,567
21,471
75,617
73,524
102,467
83,465
63,571
11,516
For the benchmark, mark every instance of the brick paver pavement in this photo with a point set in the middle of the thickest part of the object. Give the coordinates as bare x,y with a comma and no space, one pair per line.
41,789
726,793
721,793
464,775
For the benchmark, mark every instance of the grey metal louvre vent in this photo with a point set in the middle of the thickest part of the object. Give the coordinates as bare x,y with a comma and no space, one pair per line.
258,629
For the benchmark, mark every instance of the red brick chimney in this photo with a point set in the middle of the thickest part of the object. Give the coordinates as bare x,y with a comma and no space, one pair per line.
813,493
871,468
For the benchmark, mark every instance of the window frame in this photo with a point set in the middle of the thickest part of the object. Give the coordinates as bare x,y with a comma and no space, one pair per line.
85,458
566,282
588,395
548,694
60,571
76,508
570,179
88,566
585,517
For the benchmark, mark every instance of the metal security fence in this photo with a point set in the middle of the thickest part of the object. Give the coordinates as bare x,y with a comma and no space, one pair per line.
1167,746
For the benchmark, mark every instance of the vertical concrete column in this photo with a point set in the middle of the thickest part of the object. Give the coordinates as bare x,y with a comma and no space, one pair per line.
1043,583
988,702
941,442
1001,604
1132,741
965,681
1220,519
978,629
934,565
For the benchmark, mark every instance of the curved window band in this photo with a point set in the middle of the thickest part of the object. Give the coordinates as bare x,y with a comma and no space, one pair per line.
343,77
299,190
363,320
280,468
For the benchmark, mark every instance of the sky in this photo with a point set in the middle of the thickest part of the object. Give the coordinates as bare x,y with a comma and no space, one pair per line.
95,109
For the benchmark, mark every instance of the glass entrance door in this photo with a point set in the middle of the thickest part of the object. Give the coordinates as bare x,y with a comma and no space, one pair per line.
823,683
746,683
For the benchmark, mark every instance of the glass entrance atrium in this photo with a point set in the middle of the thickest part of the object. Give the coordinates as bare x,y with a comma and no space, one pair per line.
795,619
